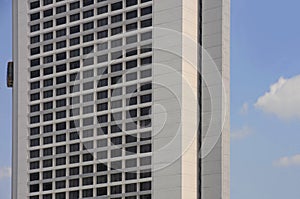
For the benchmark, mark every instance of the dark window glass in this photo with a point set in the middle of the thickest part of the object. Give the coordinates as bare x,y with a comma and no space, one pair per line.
48,13
102,22
116,18
116,189
34,74
88,2
116,6
74,5
34,85
35,39
48,24
146,11
60,33
131,15
34,5
115,31
146,23
61,138
131,27
35,62
88,26
74,17
102,191
34,28
88,14
61,9
131,3
74,29
34,16
35,51
48,105
102,10
48,47
102,34
61,21
47,2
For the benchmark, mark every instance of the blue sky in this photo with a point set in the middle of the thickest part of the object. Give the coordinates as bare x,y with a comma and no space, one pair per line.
265,40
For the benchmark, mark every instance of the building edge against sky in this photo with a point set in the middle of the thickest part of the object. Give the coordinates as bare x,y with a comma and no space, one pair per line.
178,30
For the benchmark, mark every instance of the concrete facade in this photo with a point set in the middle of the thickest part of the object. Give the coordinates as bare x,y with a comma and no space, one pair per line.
184,44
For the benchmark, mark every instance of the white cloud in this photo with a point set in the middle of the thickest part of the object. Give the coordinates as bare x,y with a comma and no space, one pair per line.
288,161
282,99
245,108
241,133
5,172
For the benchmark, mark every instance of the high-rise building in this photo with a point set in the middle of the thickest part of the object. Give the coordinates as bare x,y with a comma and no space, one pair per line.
120,99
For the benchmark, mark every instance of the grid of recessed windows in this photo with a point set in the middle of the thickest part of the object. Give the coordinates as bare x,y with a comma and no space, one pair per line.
90,121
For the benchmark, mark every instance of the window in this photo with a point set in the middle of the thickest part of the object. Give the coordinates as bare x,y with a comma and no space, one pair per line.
131,15
100,180
88,26
146,23
61,138
88,14
87,193
102,10
34,5
61,9
102,34
47,175
60,33
88,2
116,18
60,184
34,85
48,12
35,39
87,38
60,161
130,175
34,16
61,44
144,186
131,3
34,142
74,29
116,177
47,2
115,31
102,22
60,149
34,176
35,51
87,181
74,171
34,165
130,188
146,11
116,6
61,21
48,47
116,189
74,5
61,68
34,62
48,24
35,28
47,152
74,183
131,27
74,17
48,140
